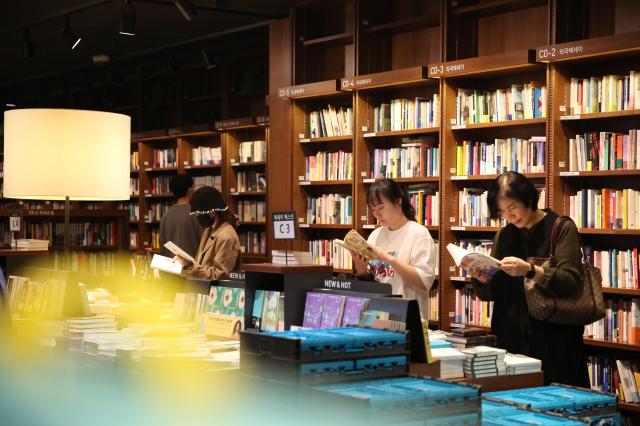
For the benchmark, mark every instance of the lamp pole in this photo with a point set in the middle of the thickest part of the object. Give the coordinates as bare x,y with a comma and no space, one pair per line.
67,234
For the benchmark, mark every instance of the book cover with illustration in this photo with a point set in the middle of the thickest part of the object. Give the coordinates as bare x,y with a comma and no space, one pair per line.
332,310
270,311
484,265
313,310
353,308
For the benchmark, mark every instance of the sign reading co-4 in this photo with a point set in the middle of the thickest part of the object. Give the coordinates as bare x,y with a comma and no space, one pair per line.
284,225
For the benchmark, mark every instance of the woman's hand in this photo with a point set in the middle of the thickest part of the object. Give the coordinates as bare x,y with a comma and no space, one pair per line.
359,263
478,275
182,261
514,266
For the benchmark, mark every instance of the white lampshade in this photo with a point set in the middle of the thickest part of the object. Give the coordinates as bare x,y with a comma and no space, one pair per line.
53,153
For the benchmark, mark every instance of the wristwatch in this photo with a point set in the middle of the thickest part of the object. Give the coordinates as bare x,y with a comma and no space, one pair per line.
531,272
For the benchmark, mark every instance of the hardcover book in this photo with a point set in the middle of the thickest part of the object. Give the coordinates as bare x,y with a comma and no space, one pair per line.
332,310
313,310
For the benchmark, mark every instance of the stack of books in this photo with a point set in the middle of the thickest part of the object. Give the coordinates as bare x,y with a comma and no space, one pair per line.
79,330
31,244
522,364
484,361
282,257
450,362
470,337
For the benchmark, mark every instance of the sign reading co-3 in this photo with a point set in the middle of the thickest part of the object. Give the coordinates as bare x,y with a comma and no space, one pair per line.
284,225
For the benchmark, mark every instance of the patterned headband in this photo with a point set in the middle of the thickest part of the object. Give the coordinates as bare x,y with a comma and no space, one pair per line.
199,212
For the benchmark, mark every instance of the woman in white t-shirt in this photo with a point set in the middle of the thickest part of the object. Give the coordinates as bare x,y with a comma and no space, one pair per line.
405,252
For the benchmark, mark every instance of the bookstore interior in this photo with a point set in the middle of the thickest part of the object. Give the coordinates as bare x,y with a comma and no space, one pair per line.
394,212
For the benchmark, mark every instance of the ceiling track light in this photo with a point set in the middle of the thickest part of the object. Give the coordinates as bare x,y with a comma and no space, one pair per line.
186,8
127,19
208,63
69,36
27,44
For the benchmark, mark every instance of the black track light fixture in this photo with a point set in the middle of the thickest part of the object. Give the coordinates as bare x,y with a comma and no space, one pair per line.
27,44
187,8
209,63
127,19
69,36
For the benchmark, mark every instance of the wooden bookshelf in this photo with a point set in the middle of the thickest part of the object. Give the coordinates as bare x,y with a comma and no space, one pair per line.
611,345
325,182
490,178
400,133
621,291
408,181
568,119
500,124
630,406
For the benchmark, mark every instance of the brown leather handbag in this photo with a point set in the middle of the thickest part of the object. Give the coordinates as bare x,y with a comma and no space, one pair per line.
582,308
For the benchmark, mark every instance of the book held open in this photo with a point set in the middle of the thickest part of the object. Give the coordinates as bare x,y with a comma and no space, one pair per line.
357,244
173,248
468,260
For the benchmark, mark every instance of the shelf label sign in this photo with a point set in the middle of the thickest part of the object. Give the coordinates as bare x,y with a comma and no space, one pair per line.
439,70
284,225
551,52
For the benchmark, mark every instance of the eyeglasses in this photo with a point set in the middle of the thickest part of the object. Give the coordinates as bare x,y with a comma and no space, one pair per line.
200,213
512,208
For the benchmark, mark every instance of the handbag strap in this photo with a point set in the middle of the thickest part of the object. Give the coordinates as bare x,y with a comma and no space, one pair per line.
554,237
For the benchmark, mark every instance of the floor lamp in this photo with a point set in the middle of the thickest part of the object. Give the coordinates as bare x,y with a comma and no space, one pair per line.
66,154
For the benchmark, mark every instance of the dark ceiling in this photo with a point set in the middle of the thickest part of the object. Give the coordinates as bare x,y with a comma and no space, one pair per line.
159,25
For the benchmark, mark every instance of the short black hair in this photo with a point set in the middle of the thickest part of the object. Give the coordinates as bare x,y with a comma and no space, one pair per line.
515,186
180,184
392,191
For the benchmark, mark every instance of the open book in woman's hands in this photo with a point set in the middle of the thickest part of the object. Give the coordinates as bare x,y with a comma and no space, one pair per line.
483,266
357,244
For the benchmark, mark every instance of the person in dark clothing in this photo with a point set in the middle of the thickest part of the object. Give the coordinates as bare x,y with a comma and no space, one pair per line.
560,347
177,224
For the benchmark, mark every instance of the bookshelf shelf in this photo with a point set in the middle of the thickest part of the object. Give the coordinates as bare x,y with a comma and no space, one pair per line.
621,232
628,406
160,169
347,138
134,172
422,179
323,226
460,279
516,61
406,25
158,195
325,183
493,177
250,164
342,271
500,124
622,291
330,40
568,119
252,223
84,248
611,345
600,173
249,194
6,252
598,48
475,228
430,228
400,133
55,213
204,167
496,6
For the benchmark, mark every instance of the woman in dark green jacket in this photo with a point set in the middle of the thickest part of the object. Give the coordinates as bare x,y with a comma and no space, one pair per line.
560,347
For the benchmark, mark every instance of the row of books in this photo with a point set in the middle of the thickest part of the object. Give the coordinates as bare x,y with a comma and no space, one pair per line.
290,257
155,239
473,209
501,155
251,181
330,122
426,202
100,264
515,103
606,93
407,114
606,208
164,157
135,161
160,185
330,209
411,160
328,252
134,239
208,180
469,309
434,304
226,301
332,310
134,211
252,211
86,234
134,186
29,298
604,151
329,166
206,155
253,242
621,323
619,267
157,210
621,377
252,151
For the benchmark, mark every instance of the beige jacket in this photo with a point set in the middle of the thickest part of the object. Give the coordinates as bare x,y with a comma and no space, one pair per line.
217,255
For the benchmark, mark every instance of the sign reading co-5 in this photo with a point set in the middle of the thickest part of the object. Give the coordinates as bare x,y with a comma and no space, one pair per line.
284,225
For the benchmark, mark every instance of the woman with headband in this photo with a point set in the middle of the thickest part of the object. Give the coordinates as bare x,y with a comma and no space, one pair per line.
219,249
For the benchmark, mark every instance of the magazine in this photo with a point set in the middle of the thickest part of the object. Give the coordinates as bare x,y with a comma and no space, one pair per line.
355,243
485,266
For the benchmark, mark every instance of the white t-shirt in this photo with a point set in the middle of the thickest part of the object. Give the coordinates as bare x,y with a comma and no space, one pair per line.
412,244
